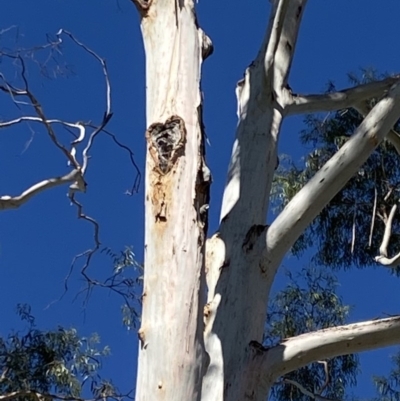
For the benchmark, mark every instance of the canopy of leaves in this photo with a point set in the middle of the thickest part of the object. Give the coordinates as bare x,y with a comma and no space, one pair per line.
350,229
55,364
309,303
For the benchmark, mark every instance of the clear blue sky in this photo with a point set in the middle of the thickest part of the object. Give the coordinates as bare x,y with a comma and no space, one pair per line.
38,241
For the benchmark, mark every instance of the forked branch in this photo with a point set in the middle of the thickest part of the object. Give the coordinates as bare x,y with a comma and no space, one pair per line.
382,258
76,176
313,396
331,178
356,97
277,24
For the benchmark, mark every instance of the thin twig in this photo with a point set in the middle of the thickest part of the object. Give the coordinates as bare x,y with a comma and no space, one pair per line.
108,113
325,385
371,232
136,184
307,392
353,236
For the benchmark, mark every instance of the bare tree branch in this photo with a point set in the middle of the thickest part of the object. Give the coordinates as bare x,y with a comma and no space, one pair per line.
388,262
293,353
353,231
4,30
371,231
5,124
76,152
383,258
14,202
108,113
278,16
116,283
355,97
393,137
328,181
350,97
388,232
136,182
88,254
326,370
3,374
99,59
79,168
48,397
314,396
253,160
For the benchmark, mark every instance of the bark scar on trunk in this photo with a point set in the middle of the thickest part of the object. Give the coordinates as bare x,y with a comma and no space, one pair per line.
257,348
166,143
159,201
251,237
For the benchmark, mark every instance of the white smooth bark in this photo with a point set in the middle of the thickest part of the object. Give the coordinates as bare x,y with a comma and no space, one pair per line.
355,97
293,353
182,356
301,104
237,282
383,257
313,197
14,202
171,355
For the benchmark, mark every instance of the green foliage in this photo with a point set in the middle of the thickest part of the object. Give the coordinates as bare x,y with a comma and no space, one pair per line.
57,362
388,388
127,281
348,232
310,303
341,234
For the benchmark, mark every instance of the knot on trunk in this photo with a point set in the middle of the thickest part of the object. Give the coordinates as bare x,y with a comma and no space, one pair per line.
252,236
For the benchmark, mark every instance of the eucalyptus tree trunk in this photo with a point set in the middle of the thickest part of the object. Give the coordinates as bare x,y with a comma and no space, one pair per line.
204,302
172,356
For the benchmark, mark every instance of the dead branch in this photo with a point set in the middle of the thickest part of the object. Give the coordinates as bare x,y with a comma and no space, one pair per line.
14,202
70,152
